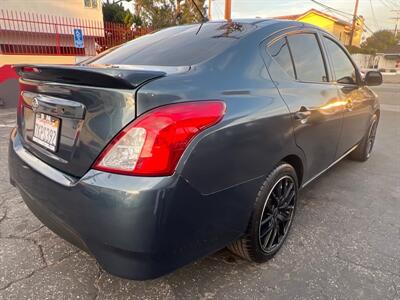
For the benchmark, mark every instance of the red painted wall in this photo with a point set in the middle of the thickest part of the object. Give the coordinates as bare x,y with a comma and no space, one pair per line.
7,72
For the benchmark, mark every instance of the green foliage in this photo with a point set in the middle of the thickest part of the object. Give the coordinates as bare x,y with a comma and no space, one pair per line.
157,13
354,50
131,19
137,20
380,41
163,13
190,14
115,12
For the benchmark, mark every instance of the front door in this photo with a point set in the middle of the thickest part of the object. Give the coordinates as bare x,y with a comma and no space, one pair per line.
357,99
300,71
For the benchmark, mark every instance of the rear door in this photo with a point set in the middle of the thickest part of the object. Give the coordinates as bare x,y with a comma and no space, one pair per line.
357,99
301,74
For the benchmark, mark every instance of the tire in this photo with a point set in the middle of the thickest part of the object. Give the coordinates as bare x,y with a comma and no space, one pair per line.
254,245
364,148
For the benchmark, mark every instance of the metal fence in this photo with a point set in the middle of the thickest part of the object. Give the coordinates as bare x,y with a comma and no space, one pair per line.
40,34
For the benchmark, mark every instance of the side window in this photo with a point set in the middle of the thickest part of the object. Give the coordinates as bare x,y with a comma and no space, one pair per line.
344,69
279,51
307,57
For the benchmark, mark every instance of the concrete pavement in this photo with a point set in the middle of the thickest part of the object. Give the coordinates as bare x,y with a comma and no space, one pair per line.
344,243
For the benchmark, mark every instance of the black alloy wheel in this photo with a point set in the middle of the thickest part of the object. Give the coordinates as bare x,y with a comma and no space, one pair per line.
371,136
277,214
272,216
364,148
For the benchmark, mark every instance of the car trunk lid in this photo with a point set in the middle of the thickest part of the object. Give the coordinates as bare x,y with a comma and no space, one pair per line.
68,114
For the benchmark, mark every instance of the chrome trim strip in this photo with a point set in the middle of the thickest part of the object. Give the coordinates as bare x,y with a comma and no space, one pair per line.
330,166
55,106
166,69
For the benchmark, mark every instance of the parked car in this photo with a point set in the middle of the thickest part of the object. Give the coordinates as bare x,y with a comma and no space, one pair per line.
187,140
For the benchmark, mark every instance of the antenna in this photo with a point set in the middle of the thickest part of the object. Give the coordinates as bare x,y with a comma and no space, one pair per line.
204,18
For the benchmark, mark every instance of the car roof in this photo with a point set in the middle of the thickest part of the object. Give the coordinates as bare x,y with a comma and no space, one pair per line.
252,21
192,44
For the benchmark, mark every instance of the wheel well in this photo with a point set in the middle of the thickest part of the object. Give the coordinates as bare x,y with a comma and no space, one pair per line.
297,164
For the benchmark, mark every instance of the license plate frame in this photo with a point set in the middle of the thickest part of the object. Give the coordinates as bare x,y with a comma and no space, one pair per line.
46,131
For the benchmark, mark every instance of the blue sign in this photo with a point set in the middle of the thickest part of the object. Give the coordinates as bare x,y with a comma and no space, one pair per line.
78,38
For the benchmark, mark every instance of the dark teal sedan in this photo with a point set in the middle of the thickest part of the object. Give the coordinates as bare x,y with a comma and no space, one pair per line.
182,142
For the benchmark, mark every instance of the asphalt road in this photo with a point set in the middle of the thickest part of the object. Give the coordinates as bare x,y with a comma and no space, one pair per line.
344,243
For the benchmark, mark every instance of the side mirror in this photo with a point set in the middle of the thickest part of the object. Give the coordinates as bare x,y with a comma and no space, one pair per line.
373,78
346,80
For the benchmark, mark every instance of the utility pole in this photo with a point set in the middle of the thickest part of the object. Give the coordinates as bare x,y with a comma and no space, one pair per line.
396,27
353,26
209,9
228,9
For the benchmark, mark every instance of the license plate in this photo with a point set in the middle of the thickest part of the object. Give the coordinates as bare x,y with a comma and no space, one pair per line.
46,130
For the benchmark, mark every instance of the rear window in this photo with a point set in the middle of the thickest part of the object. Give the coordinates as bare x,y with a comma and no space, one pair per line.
177,46
307,57
280,52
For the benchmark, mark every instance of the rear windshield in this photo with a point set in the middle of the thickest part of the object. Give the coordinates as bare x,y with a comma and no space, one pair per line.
176,46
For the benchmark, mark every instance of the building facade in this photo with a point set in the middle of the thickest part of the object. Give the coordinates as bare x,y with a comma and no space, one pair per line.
80,9
45,29
390,59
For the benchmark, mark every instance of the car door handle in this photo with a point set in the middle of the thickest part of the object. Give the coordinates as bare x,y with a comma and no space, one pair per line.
349,105
302,114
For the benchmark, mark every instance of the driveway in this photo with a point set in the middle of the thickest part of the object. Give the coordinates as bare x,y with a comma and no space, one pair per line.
344,243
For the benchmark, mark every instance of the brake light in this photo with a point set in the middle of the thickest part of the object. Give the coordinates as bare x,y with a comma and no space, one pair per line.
153,144
29,70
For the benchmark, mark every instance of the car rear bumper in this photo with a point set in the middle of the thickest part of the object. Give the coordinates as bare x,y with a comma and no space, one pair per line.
136,227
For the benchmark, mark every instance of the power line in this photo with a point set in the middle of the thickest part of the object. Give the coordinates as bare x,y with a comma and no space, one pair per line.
347,15
392,2
387,4
369,29
373,14
397,19
331,8
343,14
216,5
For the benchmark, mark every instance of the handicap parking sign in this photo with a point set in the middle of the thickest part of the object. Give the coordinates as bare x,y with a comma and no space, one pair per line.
78,38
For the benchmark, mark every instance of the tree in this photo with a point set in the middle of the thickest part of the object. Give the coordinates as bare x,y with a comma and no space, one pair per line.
380,41
190,14
118,1
131,19
154,13
115,12
163,13
157,13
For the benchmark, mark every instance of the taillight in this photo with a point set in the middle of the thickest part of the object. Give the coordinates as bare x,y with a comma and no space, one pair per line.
153,144
22,87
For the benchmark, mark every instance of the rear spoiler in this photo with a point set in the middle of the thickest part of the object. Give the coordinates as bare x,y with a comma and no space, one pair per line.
98,76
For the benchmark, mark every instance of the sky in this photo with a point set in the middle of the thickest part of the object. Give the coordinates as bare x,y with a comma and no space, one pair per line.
377,13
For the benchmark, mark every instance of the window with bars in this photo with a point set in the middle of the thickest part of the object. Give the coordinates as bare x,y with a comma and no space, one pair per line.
91,3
